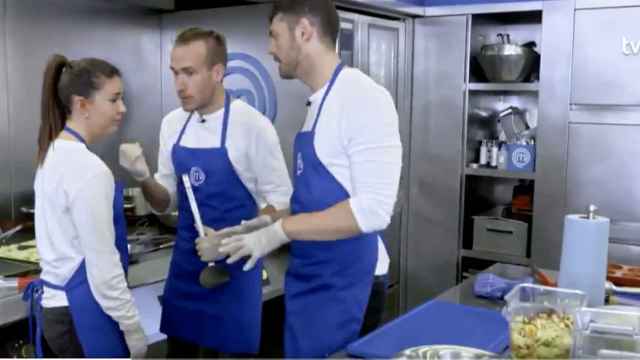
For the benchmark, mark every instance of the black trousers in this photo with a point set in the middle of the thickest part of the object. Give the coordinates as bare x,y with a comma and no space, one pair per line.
375,307
181,349
60,334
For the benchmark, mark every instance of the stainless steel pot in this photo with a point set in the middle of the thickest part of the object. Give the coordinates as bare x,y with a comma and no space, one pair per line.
135,203
506,62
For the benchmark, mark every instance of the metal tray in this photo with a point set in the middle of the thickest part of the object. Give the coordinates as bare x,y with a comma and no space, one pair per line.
140,246
432,352
15,268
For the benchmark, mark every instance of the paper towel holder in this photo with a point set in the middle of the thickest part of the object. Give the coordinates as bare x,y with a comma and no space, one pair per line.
591,212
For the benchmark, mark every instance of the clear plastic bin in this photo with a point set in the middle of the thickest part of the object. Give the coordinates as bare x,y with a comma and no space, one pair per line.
607,333
541,321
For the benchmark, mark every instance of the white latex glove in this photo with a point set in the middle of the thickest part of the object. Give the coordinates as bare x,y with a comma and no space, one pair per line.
208,247
132,159
247,226
136,342
255,245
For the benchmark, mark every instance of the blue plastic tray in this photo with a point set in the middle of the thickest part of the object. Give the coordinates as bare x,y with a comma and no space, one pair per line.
436,323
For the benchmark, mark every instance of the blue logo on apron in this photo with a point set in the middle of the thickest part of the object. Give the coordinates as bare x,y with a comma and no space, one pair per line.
261,93
197,176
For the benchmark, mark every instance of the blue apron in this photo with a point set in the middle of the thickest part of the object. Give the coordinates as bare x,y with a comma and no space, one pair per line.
327,284
99,335
227,317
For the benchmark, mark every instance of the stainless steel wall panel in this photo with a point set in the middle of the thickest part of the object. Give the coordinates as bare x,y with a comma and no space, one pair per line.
129,38
5,157
246,29
553,113
606,57
436,155
592,4
624,254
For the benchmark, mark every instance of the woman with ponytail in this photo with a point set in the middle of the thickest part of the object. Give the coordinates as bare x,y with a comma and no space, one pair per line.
81,302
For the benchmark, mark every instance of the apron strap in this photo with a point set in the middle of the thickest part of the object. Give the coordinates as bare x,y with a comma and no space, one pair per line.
33,297
334,77
184,127
75,134
225,121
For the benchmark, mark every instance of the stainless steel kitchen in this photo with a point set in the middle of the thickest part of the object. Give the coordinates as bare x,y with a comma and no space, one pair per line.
515,231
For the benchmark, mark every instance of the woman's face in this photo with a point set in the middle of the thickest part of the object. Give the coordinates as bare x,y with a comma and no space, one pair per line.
106,108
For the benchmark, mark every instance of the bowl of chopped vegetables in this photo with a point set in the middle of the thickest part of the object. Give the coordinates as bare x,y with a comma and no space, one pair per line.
541,321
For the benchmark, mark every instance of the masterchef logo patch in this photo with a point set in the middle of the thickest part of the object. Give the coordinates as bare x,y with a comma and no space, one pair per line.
197,176
246,78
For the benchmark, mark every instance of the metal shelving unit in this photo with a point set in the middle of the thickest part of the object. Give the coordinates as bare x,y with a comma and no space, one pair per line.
499,87
500,173
487,189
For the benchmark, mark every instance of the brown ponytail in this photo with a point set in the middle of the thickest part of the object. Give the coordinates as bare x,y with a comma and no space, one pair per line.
53,116
62,80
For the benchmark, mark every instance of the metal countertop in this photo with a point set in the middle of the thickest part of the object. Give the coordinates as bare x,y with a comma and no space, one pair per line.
146,278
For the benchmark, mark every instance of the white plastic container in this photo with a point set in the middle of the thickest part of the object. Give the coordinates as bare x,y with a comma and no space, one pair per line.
484,151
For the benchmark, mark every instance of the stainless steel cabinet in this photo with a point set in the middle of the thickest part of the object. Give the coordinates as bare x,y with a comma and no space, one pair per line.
378,47
606,57
603,143
436,155
603,169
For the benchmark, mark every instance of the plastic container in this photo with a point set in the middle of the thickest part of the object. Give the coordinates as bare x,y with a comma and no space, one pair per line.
483,153
521,157
541,321
500,235
611,332
502,157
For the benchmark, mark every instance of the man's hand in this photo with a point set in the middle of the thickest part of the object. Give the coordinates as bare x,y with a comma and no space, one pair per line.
255,245
208,247
248,226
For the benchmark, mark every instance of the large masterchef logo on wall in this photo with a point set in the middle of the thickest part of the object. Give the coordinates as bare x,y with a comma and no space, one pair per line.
248,79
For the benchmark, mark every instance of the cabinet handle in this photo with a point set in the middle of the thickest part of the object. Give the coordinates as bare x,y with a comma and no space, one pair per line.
501,231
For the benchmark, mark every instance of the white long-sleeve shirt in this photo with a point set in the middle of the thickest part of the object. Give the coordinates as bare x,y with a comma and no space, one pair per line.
358,141
74,221
252,144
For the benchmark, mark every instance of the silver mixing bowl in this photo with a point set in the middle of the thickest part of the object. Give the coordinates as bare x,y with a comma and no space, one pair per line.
507,62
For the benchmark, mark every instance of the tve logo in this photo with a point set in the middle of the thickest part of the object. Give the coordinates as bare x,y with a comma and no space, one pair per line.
261,91
630,47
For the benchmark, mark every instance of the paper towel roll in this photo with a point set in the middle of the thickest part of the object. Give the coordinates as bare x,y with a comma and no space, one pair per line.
583,265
